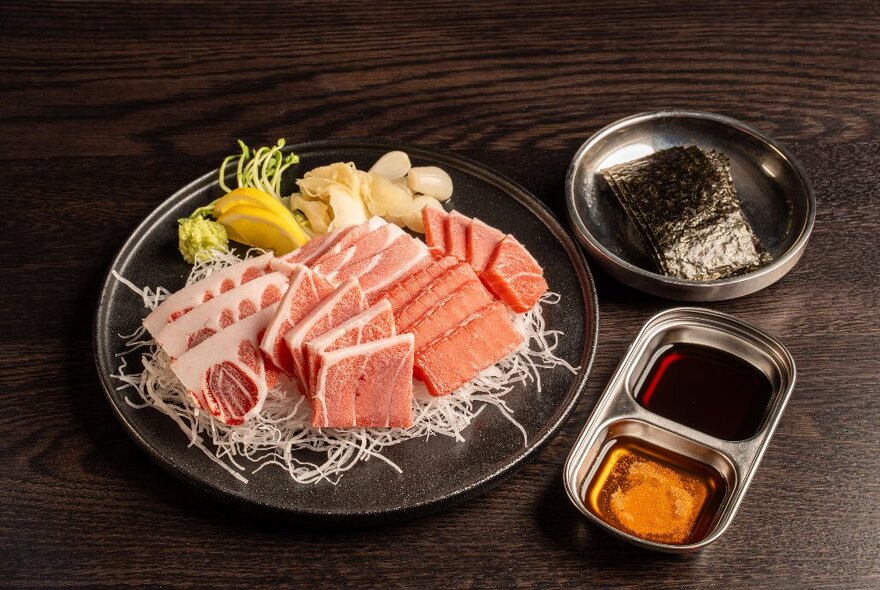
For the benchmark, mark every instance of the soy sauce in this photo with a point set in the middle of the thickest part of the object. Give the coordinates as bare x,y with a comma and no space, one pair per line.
707,389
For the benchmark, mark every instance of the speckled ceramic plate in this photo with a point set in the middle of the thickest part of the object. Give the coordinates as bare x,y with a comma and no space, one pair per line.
437,472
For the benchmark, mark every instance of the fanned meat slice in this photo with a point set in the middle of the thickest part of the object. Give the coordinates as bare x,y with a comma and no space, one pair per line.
514,276
481,242
226,375
310,251
179,303
373,324
456,235
461,354
404,256
345,302
405,290
380,396
368,245
220,312
456,307
305,292
348,237
432,294
435,230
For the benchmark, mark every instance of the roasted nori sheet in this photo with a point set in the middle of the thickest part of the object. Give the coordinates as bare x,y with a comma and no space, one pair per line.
684,203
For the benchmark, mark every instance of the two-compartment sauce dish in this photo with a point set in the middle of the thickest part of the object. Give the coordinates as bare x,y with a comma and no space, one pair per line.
668,453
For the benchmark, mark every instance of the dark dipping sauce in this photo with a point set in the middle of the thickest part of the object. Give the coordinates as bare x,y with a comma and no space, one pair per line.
708,390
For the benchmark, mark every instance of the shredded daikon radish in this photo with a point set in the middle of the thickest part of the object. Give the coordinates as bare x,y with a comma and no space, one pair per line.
281,434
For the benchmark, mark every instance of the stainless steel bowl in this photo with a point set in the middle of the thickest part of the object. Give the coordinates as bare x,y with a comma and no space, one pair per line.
776,196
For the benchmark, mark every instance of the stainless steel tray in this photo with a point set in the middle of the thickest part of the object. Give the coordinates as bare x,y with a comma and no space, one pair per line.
618,413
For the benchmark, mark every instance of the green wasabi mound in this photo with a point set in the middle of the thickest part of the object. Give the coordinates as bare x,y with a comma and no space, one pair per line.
198,237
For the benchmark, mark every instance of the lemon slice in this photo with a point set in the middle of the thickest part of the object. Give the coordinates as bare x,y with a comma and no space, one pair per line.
262,206
254,197
260,227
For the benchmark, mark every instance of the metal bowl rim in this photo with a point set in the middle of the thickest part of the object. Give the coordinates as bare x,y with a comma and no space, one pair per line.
587,239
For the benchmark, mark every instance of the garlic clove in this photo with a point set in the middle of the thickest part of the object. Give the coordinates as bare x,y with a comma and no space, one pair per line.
388,198
392,165
413,219
431,181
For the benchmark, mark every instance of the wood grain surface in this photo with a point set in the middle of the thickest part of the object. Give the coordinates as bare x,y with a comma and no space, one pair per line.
108,108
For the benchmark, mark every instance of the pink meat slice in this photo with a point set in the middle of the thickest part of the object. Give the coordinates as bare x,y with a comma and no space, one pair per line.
373,324
514,276
456,235
368,245
305,292
226,375
342,304
481,242
337,268
404,256
432,294
181,302
310,251
378,293
380,398
435,230
219,313
461,354
456,307
405,290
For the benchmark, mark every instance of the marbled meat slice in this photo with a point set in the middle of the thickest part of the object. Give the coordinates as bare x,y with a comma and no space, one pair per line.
456,235
405,290
382,395
345,302
481,242
514,276
226,375
435,230
308,251
359,242
375,323
456,307
289,262
363,255
306,291
432,294
461,354
404,256
221,312
179,303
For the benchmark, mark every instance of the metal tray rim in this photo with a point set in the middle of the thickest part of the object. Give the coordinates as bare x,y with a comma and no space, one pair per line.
602,417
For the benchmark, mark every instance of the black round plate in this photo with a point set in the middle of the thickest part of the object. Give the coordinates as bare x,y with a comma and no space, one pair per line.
437,472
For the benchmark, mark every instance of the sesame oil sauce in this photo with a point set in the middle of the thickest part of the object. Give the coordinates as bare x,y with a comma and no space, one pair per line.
653,493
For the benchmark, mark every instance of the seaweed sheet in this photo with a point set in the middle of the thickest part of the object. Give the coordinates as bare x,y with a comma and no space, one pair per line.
684,203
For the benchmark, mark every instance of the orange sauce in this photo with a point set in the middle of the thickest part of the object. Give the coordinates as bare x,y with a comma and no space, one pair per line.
653,493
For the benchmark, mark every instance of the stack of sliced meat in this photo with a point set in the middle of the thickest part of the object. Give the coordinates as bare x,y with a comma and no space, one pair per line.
350,318
212,331
445,306
376,253
502,263
344,355
335,335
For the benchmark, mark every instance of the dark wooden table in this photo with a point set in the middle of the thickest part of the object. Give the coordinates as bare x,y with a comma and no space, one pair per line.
107,108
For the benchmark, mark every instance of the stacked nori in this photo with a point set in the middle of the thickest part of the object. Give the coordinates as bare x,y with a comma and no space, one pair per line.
685,206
